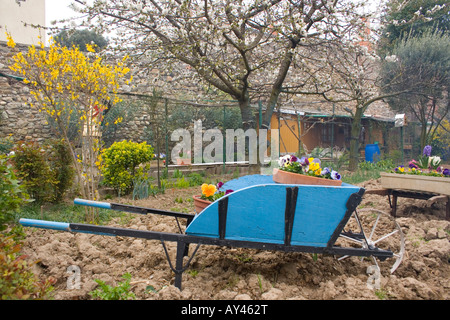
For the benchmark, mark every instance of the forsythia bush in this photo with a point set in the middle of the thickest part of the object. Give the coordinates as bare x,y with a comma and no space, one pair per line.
72,87
120,164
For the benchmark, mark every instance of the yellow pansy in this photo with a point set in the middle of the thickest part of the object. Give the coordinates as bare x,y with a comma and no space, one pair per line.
208,189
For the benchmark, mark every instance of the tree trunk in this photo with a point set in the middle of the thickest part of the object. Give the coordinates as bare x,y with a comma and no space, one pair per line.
278,84
354,139
423,135
248,118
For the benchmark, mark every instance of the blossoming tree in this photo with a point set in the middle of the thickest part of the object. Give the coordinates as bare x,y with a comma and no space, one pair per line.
68,84
244,49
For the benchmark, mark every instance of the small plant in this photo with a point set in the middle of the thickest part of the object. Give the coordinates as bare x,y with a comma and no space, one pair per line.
182,183
260,283
177,174
179,200
244,258
193,273
119,292
382,294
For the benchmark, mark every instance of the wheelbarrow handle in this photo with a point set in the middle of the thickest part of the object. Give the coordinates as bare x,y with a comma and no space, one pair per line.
62,226
92,203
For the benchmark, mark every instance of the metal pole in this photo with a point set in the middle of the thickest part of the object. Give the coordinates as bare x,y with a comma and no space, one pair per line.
223,141
401,137
260,113
332,135
167,136
299,135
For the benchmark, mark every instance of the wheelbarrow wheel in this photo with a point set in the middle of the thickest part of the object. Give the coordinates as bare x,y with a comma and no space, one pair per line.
375,229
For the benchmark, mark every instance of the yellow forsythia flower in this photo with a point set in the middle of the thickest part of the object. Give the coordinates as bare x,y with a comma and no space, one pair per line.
10,42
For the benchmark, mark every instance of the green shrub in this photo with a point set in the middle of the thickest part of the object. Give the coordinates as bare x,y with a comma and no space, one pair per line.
17,282
33,170
12,194
6,144
121,164
45,170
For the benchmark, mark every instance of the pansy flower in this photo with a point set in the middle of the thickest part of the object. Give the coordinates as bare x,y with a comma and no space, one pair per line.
208,190
413,164
335,175
304,161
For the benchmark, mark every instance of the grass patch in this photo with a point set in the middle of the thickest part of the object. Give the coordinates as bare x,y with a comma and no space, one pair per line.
368,171
64,212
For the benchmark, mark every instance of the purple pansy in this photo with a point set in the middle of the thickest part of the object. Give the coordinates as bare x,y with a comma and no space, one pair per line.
335,175
412,164
304,161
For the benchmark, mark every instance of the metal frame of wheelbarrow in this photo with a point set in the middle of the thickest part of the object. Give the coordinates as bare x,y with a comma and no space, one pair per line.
183,240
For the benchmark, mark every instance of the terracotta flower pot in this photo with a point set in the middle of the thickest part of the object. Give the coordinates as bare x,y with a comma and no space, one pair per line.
285,177
183,161
200,204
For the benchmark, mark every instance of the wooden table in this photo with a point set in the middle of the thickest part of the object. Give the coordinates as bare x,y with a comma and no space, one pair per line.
396,193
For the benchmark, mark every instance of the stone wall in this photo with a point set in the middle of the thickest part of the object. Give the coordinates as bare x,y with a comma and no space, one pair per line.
17,119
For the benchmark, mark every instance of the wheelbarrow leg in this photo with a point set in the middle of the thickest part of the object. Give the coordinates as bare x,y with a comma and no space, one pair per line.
181,253
179,267
394,205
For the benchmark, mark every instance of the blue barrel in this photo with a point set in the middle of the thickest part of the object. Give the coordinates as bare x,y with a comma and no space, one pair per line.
371,150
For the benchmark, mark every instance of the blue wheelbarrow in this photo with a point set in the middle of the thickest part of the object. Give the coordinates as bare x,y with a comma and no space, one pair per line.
261,214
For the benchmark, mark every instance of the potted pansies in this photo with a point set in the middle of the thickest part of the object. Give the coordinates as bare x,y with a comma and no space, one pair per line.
425,174
210,193
294,170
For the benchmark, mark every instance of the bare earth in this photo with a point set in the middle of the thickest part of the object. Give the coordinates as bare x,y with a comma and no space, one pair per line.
219,273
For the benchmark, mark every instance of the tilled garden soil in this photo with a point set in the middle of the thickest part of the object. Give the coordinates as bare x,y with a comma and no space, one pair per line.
219,273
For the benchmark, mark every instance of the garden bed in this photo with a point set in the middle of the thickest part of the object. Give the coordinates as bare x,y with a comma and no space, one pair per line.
232,273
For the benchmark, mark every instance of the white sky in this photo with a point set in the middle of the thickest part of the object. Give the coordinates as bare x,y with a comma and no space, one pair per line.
57,9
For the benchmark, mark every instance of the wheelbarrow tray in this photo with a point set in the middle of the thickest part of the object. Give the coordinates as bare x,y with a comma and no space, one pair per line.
262,213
